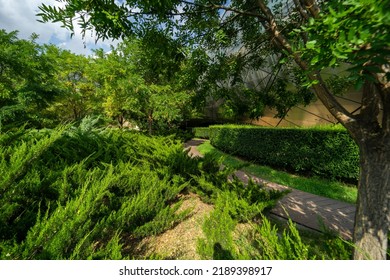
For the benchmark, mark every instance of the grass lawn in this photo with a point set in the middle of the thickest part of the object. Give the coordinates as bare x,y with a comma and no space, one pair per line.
319,186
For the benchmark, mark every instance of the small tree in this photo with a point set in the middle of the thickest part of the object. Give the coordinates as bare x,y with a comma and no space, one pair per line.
137,82
76,92
117,83
27,80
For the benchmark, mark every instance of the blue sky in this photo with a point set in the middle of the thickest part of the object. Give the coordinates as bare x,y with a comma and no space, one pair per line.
20,15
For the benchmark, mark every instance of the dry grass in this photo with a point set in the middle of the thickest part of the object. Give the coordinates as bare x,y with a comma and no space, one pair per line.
179,242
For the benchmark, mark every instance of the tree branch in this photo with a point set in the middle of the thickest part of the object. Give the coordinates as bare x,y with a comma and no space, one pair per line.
312,7
272,26
301,11
226,8
321,90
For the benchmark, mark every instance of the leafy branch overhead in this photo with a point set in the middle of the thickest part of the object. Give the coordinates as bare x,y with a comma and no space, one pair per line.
314,36
354,32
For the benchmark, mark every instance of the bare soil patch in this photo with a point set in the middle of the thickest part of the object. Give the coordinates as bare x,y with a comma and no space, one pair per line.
180,242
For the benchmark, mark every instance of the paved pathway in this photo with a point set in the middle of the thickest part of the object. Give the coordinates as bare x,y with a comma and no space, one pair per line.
308,210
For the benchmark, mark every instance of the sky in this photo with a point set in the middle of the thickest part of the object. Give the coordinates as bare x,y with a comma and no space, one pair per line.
20,15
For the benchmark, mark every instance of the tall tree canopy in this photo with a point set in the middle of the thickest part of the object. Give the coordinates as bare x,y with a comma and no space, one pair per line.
312,35
76,97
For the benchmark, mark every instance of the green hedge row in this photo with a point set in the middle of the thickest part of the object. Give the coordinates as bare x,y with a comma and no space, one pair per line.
322,151
201,132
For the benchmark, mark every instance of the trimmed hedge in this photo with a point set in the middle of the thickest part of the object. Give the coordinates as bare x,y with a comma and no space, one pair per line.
201,132
321,151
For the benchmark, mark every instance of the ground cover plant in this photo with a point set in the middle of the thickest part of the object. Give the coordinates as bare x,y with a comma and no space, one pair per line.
82,192
70,193
264,239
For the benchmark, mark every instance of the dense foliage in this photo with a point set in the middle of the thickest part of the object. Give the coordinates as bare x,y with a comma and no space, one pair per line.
27,80
46,86
324,151
88,193
311,35
263,239
69,194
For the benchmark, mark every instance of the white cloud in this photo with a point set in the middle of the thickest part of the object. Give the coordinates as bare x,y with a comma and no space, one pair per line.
20,15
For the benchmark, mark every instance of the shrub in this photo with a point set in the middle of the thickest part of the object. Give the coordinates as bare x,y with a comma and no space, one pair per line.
273,246
75,192
218,228
201,132
321,151
234,203
260,239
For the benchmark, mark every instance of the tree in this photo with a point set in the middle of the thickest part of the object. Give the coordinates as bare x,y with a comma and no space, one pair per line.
117,83
313,35
27,80
166,106
140,83
76,91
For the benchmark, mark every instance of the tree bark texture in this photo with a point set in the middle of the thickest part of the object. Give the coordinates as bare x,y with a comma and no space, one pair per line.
372,220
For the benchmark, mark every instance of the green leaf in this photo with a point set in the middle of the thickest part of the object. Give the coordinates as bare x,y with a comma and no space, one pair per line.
315,60
359,84
351,34
311,44
283,60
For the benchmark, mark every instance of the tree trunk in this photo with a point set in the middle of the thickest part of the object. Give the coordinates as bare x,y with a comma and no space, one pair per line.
150,123
121,120
372,218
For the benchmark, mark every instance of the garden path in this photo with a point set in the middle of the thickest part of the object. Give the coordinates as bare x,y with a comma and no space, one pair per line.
305,209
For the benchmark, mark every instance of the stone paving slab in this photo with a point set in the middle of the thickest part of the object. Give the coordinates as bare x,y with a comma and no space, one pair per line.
308,210
319,203
316,212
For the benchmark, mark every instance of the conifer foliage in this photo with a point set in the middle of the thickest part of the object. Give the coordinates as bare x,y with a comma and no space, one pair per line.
82,192
75,192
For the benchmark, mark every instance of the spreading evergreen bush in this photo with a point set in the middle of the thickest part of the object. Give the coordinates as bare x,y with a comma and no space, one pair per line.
81,192
78,192
263,239
321,151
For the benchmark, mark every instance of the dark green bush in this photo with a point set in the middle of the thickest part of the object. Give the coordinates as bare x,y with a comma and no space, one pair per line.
322,151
